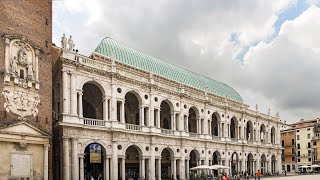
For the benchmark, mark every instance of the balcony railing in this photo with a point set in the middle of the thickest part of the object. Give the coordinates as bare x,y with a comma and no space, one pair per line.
166,131
216,138
250,141
94,122
194,134
133,127
234,140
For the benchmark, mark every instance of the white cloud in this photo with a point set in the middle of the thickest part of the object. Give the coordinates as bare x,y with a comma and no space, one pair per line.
190,34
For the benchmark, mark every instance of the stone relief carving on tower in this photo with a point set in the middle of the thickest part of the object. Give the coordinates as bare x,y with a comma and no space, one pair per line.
21,82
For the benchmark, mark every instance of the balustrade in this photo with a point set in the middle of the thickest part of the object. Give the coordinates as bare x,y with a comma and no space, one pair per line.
166,131
133,127
94,122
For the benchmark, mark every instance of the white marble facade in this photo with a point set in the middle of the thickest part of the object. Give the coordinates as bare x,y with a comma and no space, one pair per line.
231,143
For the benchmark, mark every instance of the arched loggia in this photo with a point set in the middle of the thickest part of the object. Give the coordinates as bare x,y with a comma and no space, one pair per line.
262,136
263,164
133,166
215,124
273,135
234,163
250,164
249,131
234,128
193,124
165,115
131,106
92,106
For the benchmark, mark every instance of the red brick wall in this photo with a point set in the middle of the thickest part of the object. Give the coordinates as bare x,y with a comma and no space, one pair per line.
32,19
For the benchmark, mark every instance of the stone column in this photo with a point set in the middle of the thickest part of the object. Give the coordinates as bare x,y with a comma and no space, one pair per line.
152,163
81,157
182,166
141,113
147,116
219,128
188,169
159,169
80,108
173,124
243,164
187,124
143,166
205,125
45,161
73,94
122,114
258,164
113,102
65,92
105,108
151,109
174,169
75,160
114,160
123,168
107,170
66,170
158,118
198,126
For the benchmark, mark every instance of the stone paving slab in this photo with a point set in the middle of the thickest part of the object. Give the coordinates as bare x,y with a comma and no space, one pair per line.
298,177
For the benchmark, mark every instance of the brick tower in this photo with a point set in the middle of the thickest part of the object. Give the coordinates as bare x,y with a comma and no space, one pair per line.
26,88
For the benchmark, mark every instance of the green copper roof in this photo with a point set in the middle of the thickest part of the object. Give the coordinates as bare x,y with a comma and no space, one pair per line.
130,56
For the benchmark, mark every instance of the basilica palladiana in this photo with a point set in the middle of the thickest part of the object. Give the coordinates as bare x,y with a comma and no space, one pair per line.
121,113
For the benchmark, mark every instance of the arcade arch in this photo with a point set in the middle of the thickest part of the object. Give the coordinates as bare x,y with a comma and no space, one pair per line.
193,120
94,156
165,115
234,163
131,108
263,164
234,128
249,129
215,124
250,164
273,135
262,133
92,106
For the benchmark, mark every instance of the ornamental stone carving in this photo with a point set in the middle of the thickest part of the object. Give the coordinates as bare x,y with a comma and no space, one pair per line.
21,82
20,101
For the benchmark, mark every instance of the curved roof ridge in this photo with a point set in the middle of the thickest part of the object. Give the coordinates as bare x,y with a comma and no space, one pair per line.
144,61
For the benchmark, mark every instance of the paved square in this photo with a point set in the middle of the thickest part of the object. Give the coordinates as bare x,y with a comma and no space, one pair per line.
300,177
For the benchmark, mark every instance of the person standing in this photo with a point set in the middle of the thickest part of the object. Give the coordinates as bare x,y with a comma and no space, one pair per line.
258,174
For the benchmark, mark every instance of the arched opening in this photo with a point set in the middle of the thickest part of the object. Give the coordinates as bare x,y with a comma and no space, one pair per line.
94,155
92,104
132,164
273,164
216,160
234,128
131,105
234,163
165,115
273,135
250,164
194,159
192,120
263,164
262,133
249,133
214,124
166,166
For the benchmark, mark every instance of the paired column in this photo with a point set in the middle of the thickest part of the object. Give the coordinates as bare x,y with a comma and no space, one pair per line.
188,172
45,161
174,168
66,170
158,118
74,160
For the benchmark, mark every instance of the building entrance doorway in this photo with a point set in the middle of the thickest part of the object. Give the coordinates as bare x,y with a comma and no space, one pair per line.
93,161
